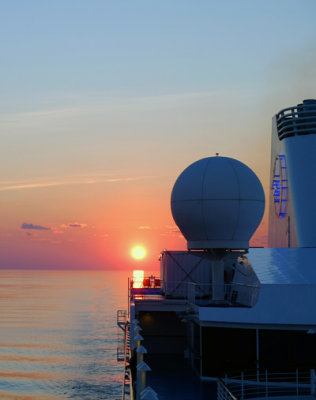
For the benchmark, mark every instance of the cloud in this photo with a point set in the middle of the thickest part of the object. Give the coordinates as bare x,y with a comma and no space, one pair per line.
172,228
71,180
36,227
73,225
172,231
144,227
77,225
98,104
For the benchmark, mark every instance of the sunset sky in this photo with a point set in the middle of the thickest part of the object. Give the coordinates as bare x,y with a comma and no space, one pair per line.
104,103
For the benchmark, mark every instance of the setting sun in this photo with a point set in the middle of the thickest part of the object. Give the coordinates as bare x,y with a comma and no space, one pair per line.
138,252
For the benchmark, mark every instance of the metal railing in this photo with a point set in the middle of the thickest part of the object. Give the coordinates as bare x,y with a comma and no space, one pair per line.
232,294
121,318
201,294
296,384
126,370
147,282
149,286
298,120
223,393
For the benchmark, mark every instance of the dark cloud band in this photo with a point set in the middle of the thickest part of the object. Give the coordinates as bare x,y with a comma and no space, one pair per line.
32,226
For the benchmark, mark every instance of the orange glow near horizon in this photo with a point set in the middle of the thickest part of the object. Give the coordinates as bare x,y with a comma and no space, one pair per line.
94,229
138,277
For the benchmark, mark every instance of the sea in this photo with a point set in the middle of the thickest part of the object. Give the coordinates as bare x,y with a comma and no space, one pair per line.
58,334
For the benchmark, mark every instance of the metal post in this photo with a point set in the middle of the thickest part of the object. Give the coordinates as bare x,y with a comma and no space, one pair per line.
148,394
296,382
137,329
138,384
142,369
257,353
312,377
132,319
141,350
191,292
242,385
192,344
218,288
267,391
201,351
143,380
128,297
289,231
138,339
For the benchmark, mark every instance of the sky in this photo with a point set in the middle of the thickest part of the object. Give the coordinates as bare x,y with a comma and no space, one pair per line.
104,103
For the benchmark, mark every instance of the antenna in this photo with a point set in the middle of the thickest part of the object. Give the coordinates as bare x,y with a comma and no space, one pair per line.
218,203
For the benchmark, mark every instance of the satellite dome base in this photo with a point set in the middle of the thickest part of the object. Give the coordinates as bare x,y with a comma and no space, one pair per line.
218,244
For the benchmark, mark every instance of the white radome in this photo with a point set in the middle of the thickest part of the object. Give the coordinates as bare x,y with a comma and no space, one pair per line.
217,203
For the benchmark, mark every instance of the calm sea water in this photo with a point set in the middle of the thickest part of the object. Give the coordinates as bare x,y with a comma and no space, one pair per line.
58,334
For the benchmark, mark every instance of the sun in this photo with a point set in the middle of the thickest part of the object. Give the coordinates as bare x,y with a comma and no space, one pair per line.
138,252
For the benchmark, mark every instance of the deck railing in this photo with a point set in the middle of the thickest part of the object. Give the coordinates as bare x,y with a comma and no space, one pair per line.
297,384
121,318
126,370
230,294
201,294
298,120
223,393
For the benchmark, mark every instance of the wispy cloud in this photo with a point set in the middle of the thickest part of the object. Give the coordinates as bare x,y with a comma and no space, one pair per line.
36,227
85,180
57,231
98,104
73,225
172,228
144,227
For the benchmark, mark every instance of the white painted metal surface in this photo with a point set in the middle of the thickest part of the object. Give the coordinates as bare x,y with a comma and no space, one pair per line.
301,161
293,184
217,202
284,266
177,268
287,290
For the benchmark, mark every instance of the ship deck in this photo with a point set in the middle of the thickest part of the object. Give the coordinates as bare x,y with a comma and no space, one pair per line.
173,379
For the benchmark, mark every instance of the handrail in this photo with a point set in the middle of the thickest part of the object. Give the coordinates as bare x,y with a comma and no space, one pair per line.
232,294
252,385
202,294
223,393
121,318
297,120
126,349
148,281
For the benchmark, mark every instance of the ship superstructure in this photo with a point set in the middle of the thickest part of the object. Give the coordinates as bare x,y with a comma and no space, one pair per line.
292,212
221,311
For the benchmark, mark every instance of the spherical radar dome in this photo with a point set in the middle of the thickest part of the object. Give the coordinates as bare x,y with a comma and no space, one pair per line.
217,202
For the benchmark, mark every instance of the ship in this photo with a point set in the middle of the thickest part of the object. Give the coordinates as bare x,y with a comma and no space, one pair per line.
224,320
